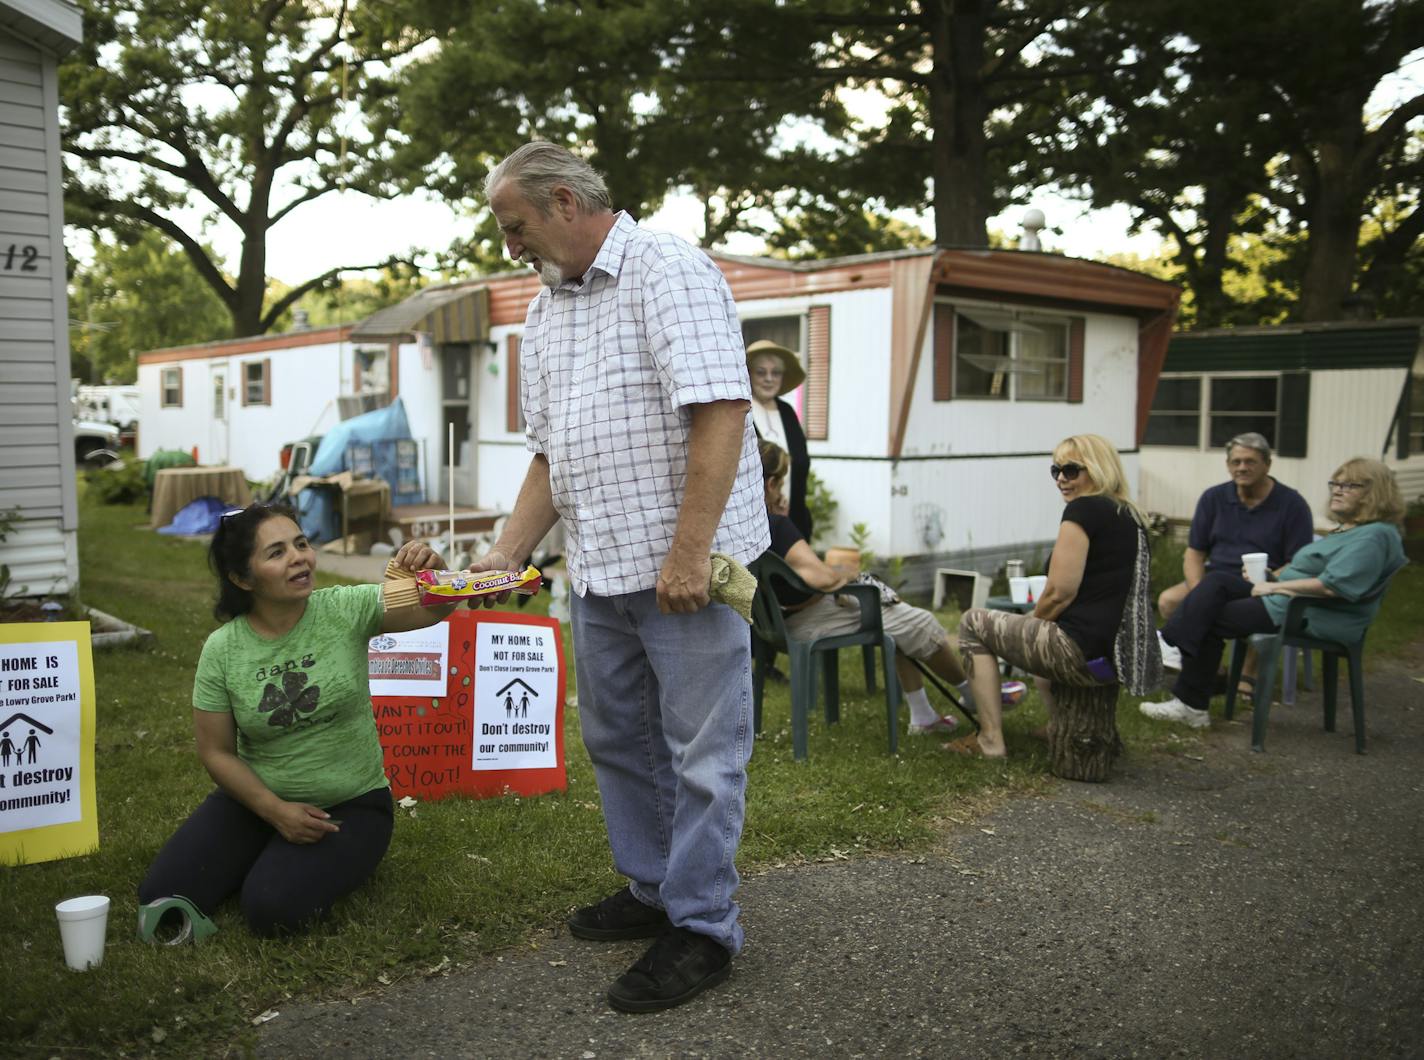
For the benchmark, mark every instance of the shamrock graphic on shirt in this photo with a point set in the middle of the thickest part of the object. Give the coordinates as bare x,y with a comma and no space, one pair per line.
293,697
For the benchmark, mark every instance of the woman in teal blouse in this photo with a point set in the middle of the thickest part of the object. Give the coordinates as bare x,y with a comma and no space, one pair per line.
1346,566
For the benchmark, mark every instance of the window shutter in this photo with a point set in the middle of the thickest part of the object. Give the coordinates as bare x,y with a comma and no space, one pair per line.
1401,420
1076,329
943,352
180,387
513,407
1294,422
242,381
267,381
818,372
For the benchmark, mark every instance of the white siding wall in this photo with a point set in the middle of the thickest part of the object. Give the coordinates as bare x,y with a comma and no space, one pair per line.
979,496
1350,415
36,432
503,458
304,385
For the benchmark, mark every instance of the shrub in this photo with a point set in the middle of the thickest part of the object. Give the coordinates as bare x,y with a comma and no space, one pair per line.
118,484
822,506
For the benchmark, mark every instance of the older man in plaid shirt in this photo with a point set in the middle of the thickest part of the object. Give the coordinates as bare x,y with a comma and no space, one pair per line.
636,399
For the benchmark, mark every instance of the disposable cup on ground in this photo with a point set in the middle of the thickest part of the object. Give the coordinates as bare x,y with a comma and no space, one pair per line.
1255,564
83,923
1036,584
1018,590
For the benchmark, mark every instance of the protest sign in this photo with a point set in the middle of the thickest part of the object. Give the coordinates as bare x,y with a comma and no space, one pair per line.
47,803
497,728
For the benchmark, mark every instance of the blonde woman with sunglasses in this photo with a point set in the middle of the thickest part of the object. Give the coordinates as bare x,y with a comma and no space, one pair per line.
1347,566
1071,635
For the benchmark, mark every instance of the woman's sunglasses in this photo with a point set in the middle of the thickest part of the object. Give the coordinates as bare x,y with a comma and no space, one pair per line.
1068,471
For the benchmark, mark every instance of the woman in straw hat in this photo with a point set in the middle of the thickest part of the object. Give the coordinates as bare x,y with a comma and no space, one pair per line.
775,371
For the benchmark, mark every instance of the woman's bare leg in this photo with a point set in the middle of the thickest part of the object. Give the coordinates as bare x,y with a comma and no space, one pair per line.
984,681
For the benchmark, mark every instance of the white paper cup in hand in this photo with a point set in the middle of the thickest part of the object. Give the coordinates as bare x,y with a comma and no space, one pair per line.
1018,590
83,924
1255,564
1036,584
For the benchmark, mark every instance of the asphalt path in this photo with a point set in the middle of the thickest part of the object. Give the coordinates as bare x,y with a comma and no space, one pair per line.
1205,903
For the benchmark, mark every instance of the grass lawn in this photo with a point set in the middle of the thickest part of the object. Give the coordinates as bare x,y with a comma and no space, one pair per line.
463,878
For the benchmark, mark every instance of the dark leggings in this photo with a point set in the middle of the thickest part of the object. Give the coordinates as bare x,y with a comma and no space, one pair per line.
223,847
1220,608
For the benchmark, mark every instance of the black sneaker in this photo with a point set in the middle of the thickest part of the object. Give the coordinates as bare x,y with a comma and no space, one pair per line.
619,916
676,968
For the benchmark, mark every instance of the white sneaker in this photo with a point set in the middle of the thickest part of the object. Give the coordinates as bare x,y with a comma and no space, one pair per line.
1171,657
1175,710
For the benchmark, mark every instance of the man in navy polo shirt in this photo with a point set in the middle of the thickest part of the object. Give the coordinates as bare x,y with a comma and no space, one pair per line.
1251,513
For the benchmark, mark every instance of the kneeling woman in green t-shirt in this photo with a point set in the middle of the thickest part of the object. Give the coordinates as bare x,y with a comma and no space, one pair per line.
282,711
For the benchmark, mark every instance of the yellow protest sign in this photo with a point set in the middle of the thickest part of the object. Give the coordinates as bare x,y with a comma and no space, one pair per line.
47,804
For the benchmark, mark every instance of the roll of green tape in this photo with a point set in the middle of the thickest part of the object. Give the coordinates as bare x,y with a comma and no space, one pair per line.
194,925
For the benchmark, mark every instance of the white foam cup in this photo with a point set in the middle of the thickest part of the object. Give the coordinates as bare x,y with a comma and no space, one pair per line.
1018,590
1255,564
1036,584
83,923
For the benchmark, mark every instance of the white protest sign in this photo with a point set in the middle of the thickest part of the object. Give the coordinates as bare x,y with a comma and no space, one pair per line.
39,734
415,663
516,693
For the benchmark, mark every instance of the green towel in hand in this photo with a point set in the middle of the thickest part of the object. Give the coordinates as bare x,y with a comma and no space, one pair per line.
733,585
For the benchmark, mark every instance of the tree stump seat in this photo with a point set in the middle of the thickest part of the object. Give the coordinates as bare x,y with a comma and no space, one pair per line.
1082,737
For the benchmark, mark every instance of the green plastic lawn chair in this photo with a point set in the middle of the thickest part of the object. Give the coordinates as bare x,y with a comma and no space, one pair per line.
1271,646
770,636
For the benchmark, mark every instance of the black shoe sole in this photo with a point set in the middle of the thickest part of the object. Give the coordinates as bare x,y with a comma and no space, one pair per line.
657,1004
633,931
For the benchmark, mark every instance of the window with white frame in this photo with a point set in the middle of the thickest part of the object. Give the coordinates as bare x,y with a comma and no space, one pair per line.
1000,354
373,370
257,382
1176,413
171,388
784,331
1205,411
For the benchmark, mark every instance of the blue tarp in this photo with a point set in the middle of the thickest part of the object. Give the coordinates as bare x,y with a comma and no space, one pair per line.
199,516
387,424
371,436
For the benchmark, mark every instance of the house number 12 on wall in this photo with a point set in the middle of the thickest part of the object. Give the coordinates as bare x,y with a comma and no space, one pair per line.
26,257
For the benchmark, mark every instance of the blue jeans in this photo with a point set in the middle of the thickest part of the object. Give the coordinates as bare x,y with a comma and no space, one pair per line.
665,704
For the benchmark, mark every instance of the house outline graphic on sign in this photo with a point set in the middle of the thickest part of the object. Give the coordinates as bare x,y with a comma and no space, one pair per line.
31,721
518,681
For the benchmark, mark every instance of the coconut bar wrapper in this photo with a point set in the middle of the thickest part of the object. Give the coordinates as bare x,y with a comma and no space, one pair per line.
452,586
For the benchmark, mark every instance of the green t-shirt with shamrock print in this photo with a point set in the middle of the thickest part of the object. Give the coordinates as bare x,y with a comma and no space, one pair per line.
302,702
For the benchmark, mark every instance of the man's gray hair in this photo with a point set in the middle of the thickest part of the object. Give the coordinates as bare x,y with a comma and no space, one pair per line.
1250,440
539,166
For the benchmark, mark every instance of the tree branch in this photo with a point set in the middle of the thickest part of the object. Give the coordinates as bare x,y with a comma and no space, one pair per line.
281,305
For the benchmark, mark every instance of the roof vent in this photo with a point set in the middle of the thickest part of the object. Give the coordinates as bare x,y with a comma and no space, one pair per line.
1033,223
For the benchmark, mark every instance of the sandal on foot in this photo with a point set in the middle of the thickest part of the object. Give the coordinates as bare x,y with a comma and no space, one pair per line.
968,746
940,725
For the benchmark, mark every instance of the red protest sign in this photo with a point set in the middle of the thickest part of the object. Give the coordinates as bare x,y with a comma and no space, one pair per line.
498,727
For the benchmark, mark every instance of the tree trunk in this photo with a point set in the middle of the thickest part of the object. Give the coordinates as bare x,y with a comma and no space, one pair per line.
1333,231
1082,737
958,109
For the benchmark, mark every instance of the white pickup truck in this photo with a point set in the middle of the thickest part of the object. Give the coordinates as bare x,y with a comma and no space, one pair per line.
95,444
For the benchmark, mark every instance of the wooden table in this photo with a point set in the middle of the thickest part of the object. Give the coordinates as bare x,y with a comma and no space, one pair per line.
364,499
174,487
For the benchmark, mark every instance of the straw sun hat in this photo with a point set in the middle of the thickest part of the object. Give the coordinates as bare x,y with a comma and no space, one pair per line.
793,375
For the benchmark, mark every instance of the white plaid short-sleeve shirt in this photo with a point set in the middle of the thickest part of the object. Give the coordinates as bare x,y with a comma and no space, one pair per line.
609,368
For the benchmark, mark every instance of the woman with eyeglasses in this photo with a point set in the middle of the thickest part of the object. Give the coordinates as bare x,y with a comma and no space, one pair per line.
1101,545
302,813
1346,566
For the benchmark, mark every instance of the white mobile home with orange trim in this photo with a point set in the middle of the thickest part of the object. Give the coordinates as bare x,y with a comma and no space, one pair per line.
938,382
